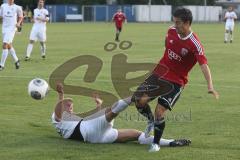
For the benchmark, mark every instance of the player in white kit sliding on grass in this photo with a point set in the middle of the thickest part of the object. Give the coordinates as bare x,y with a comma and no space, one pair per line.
12,16
98,128
38,32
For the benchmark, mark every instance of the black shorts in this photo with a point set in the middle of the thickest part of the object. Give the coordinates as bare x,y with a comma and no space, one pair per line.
77,135
154,87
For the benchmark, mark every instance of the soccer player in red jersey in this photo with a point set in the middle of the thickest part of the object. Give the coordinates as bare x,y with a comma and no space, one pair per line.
182,51
119,17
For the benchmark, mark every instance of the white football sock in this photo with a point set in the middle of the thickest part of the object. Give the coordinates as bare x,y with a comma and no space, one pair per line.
143,140
29,50
4,57
120,105
231,37
13,53
149,140
43,49
165,142
226,37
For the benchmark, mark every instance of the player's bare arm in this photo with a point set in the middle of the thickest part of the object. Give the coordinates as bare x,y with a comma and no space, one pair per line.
43,19
207,74
20,17
59,105
46,19
98,101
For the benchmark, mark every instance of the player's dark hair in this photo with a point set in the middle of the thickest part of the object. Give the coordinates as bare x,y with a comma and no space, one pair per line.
184,14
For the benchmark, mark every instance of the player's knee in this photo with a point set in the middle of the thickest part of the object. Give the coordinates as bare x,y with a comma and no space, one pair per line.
5,46
136,101
110,115
140,104
141,100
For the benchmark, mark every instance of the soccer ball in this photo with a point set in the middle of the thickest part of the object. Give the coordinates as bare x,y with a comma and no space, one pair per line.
38,88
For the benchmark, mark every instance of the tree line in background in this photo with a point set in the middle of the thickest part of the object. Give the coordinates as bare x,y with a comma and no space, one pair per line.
119,2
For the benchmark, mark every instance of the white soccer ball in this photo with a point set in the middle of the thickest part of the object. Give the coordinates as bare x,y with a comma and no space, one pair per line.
38,88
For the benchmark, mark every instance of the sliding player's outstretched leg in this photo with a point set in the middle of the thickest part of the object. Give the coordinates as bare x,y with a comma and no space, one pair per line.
116,108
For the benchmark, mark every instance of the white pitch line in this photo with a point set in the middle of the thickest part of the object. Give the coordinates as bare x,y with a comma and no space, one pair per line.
76,79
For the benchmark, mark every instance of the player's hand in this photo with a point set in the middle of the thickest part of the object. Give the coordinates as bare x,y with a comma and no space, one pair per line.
59,88
214,93
18,25
39,19
98,100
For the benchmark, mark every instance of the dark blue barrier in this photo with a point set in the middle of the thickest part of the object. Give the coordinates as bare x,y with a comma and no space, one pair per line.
101,13
58,12
91,13
61,12
130,13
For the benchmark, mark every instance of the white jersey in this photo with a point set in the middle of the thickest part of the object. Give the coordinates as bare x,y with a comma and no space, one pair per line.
42,14
64,128
9,14
230,16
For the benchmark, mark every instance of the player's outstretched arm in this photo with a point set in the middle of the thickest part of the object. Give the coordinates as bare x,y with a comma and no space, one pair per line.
59,106
98,101
207,74
60,91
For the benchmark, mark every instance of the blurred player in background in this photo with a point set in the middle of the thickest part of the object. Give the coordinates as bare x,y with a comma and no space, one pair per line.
183,50
230,17
119,17
12,16
98,128
38,31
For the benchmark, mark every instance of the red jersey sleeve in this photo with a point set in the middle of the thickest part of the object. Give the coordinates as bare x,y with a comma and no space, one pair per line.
198,50
201,59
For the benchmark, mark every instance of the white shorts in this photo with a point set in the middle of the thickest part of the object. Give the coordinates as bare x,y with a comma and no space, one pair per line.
229,26
38,35
98,130
8,36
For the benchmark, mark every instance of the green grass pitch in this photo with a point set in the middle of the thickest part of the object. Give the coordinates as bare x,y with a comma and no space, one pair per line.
26,132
